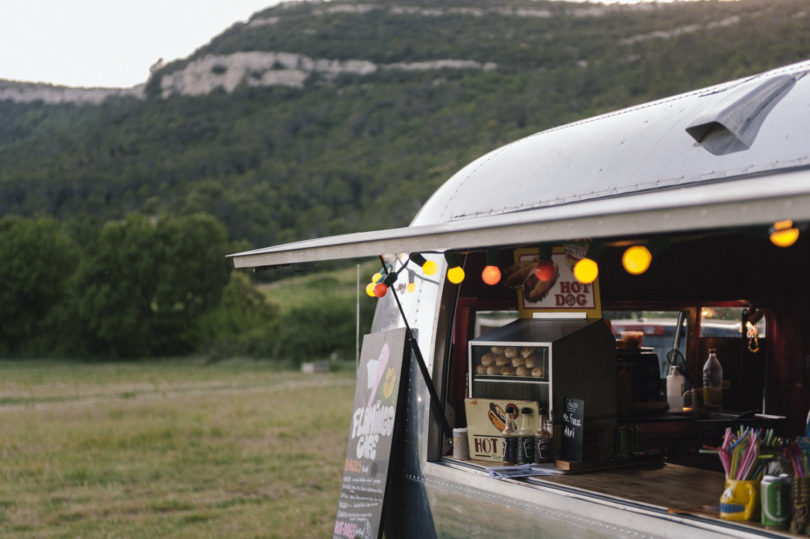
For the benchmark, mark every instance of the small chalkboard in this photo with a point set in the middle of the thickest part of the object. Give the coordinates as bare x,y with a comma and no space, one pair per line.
371,435
572,425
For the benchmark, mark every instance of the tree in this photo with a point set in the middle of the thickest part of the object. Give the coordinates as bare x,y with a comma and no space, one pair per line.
144,289
38,262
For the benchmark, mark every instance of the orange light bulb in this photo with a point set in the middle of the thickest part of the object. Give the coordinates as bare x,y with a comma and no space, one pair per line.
491,275
544,270
380,289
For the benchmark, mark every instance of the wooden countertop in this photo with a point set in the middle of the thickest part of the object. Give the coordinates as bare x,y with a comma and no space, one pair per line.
668,486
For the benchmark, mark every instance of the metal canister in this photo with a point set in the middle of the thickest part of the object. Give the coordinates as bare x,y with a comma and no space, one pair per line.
775,500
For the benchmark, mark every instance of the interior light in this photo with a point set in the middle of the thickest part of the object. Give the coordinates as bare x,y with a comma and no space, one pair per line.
784,234
380,289
636,259
586,271
491,275
370,289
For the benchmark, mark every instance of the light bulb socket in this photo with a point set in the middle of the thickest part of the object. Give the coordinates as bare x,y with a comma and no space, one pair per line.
417,259
544,251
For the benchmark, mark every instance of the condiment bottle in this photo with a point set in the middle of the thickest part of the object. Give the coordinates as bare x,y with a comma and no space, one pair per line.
712,381
543,443
510,439
675,381
525,450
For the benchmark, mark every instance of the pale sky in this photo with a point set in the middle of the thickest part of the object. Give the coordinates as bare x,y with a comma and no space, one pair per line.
107,43
110,43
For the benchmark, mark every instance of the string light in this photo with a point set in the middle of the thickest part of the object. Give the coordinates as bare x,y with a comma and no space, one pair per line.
586,271
455,273
544,270
428,266
411,281
784,234
636,259
491,275
380,289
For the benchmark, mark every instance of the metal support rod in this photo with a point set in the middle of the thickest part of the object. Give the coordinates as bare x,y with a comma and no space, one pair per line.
435,404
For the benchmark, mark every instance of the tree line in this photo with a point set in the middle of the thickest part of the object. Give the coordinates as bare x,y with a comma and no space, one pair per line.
147,286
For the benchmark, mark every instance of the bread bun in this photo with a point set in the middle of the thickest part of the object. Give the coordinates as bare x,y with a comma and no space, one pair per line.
526,351
492,369
517,361
510,352
522,371
480,369
500,361
497,350
538,372
487,360
508,370
530,363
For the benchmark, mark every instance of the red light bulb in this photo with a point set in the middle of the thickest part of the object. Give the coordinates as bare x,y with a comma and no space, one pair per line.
544,271
380,289
491,275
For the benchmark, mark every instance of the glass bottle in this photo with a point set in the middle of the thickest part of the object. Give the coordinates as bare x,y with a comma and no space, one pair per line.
543,442
510,439
525,450
712,381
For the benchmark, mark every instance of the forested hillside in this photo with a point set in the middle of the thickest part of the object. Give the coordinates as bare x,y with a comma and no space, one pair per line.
319,118
350,151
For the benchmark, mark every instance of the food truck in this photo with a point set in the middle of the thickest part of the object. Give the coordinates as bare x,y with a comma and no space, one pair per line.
607,251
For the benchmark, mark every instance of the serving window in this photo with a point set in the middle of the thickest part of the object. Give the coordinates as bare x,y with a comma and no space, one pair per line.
686,303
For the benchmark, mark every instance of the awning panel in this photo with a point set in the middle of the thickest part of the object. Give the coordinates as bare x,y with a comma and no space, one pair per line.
741,202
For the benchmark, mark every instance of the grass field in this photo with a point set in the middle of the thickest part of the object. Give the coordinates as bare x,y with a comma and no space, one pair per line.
176,448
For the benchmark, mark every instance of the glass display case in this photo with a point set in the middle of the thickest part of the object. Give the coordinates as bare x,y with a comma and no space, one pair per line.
545,361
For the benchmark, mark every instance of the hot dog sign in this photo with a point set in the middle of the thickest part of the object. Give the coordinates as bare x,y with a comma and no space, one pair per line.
550,285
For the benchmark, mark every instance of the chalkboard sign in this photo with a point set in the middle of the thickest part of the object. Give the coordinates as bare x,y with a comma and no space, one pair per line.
572,424
371,433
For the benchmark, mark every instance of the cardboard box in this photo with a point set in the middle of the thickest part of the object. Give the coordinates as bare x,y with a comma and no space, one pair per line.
485,421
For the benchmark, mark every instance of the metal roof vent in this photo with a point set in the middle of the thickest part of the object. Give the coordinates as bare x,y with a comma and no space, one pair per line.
731,124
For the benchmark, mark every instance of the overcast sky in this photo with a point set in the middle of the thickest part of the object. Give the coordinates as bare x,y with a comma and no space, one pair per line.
110,43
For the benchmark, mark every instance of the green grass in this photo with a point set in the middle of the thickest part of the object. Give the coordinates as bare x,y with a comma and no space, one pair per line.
174,448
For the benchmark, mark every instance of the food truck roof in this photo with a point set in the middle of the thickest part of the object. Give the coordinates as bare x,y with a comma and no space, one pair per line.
729,155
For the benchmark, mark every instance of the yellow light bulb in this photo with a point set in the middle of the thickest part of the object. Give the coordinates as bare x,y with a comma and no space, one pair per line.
636,259
430,267
370,289
411,287
784,234
586,271
376,277
455,275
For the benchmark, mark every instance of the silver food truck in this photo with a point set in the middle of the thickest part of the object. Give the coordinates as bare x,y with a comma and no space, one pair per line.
564,275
